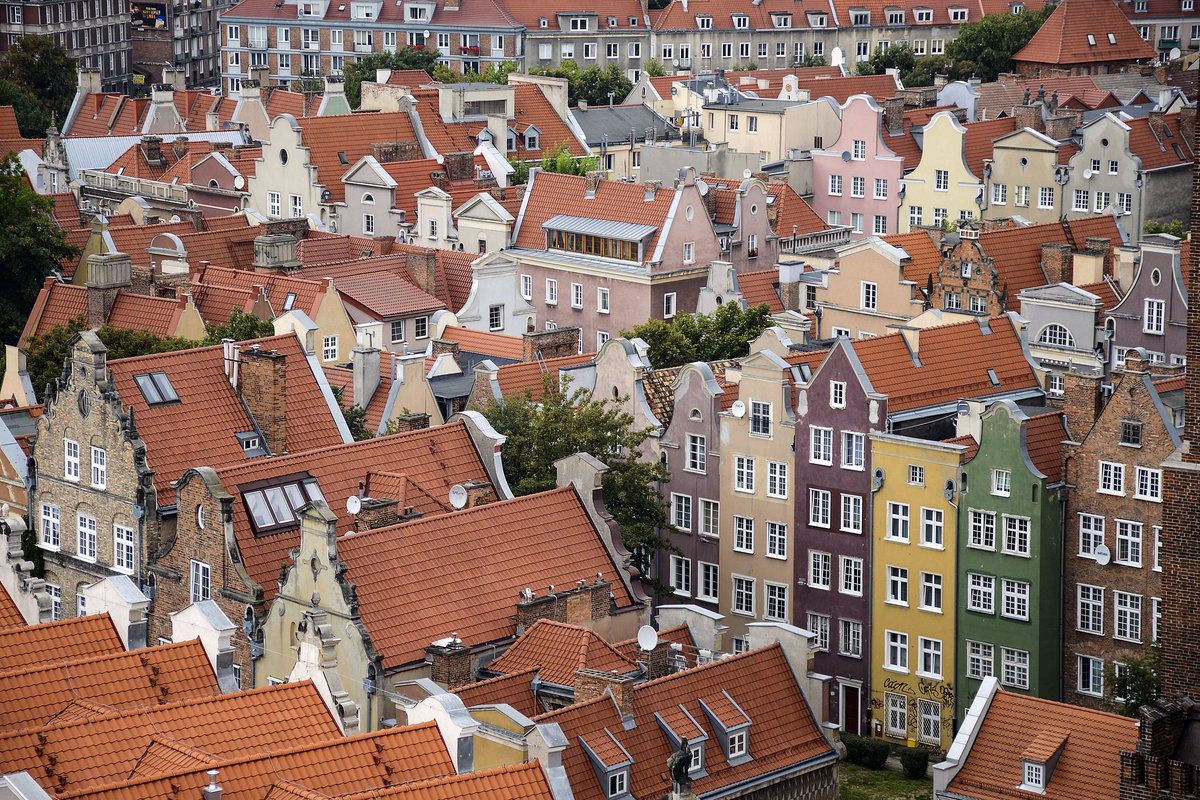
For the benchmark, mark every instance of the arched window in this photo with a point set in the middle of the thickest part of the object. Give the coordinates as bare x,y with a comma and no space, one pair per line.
368,199
1056,336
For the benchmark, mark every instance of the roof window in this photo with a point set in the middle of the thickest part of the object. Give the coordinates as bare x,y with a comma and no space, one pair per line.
156,388
1112,39
1091,40
290,301
251,444
273,506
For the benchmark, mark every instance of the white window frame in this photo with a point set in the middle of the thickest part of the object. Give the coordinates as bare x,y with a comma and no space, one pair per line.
99,468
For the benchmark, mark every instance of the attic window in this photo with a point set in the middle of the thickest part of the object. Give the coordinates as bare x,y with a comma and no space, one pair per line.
273,506
531,141
290,301
156,388
1091,40
612,22
633,22
543,22
251,444
737,743
618,783
992,377
1112,39
342,158
1033,777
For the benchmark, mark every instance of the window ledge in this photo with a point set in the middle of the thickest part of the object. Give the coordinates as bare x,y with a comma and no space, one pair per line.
897,670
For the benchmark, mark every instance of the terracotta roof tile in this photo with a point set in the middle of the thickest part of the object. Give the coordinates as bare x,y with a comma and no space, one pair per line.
1016,251
28,646
966,441
924,257
880,87
412,595
102,750
1165,385
515,689
8,123
560,650
1088,767
126,680
784,732
57,304
1063,38
385,295
343,378
515,378
943,375
656,384
1107,291
1171,148
480,12
549,194
436,458
515,782
352,135
792,210
761,286
10,615
332,766
412,177
529,12
308,293
680,634
66,210
979,138
216,304
214,411
140,312
1044,435
486,343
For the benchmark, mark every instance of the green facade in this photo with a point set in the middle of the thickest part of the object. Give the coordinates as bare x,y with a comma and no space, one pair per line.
1031,497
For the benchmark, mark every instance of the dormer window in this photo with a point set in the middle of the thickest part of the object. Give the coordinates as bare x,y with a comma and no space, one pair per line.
783,20
924,14
543,22
418,13
251,444
895,16
704,23
612,22
633,22
579,23
860,16
697,751
741,21
618,783
731,726
273,505
1033,777
958,15
531,140
737,744
817,20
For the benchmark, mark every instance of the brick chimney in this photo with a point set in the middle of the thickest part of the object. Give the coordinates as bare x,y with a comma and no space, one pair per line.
592,182
1187,122
1061,126
180,147
152,150
263,384
579,604
789,284
1158,123
377,512
1029,116
479,493
107,274
1056,262
450,662
274,252
657,661
460,166
591,683
1082,400
893,114
422,265
443,347
411,422
550,344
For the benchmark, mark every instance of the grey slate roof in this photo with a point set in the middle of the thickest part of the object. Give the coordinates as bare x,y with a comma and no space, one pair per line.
618,123
99,152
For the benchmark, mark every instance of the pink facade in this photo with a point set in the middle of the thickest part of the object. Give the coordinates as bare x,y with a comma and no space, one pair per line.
856,181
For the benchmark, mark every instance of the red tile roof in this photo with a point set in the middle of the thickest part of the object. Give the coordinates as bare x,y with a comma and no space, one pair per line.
432,460
979,138
111,114
924,257
1089,766
66,210
783,732
530,13
1168,148
761,286
140,312
1016,251
8,123
343,378
351,135
413,595
125,680
560,650
213,411
793,211
483,13
515,689
1108,293
412,177
524,781
515,378
486,343
675,17
333,766
56,304
308,293
10,615
1044,435
550,193
100,750
880,87
28,646
967,442
680,635
944,375
385,295
1063,38
217,303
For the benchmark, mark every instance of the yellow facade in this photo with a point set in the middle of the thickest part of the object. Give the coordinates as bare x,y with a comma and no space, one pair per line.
942,186
913,599
1023,176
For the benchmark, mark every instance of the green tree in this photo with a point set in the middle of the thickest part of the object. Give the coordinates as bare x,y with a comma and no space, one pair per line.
31,245
591,85
33,118
498,71
47,354
556,158
355,416
1139,683
654,68
990,43
240,327
725,333
811,60
1173,228
40,65
562,422
364,68
308,81
897,56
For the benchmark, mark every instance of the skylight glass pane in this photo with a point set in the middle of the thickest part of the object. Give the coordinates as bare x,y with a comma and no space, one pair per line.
294,495
148,389
259,509
279,505
163,383
313,490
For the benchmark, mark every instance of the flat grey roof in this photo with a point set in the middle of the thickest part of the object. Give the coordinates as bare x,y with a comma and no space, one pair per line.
609,229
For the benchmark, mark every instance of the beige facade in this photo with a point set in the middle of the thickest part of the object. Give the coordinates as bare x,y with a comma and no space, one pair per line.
284,184
865,291
1025,162
758,493
942,187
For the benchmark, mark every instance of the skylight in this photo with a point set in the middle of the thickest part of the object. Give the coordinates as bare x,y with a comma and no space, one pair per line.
156,388
276,506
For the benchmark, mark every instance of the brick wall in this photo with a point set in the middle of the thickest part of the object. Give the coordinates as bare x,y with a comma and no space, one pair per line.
450,665
1149,773
263,385
377,512
577,605
422,265
412,422
591,683
550,344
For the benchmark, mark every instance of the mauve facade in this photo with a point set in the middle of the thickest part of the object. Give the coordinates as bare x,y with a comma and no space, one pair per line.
861,413
1159,279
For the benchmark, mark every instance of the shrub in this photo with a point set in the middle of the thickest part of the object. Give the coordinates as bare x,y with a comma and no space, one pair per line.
875,753
854,747
915,761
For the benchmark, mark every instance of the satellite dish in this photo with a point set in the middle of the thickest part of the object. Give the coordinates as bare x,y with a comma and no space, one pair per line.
837,58
701,186
1174,54
1087,174
326,195
746,173
846,156
1103,555
674,91
458,496
738,409
239,182
353,504
647,638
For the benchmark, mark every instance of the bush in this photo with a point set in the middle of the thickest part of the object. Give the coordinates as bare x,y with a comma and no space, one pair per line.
854,748
915,761
875,753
